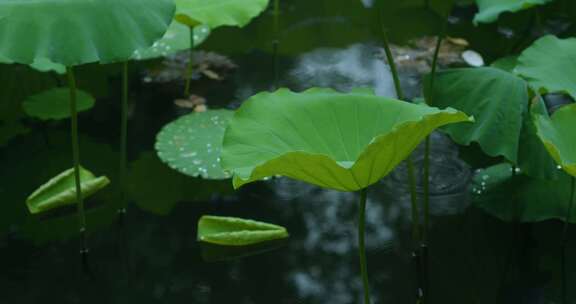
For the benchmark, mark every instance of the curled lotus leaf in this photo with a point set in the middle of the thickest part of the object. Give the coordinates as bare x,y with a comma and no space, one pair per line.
232,231
557,134
192,143
74,32
334,140
61,191
215,13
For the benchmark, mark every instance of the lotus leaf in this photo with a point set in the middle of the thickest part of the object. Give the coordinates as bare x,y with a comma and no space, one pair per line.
60,190
54,104
234,231
531,200
192,143
548,65
215,13
74,32
339,141
177,38
557,134
490,10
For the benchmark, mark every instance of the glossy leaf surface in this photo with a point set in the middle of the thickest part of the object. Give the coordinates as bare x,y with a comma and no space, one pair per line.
339,141
192,143
548,65
233,231
559,136
490,10
55,104
73,32
177,38
61,191
215,13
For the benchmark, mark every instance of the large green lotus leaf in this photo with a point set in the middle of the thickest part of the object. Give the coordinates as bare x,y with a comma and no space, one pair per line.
192,143
339,141
548,65
215,13
497,100
177,38
490,10
73,32
55,104
517,197
234,231
40,64
559,136
60,190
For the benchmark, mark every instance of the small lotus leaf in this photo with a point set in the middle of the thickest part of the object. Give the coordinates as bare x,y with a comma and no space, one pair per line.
176,39
55,104
548,65
60,190
74,32
532,200
490,10
559,136
192,143
338,141
234,231
215,13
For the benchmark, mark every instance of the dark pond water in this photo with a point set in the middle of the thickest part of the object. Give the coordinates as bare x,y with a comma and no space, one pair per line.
149,254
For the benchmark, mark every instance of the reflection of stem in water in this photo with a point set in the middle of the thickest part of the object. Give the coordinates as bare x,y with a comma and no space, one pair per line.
565,241
76,158
190,63
409,161
276,43
122,177
362,245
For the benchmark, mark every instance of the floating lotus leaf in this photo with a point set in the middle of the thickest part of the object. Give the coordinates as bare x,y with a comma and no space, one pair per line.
234,231
177,38
490,10
559,136
215,13
192,143
55,104
339,141
548,65
507,64
60,190
73,32
532,200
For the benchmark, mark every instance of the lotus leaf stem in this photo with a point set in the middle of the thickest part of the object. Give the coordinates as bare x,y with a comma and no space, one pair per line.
276,43
189,68
124,134
76,159
362,245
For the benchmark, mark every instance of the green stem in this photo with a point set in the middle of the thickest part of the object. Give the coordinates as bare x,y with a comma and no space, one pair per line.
76,159
189,68
276,43
565,241
362,245
123,137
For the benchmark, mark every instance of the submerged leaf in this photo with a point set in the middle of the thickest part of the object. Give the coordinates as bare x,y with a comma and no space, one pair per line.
192,143
548,65
61,190
73,32
55,104
490,10
557,134
215,13
338,141
233,231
